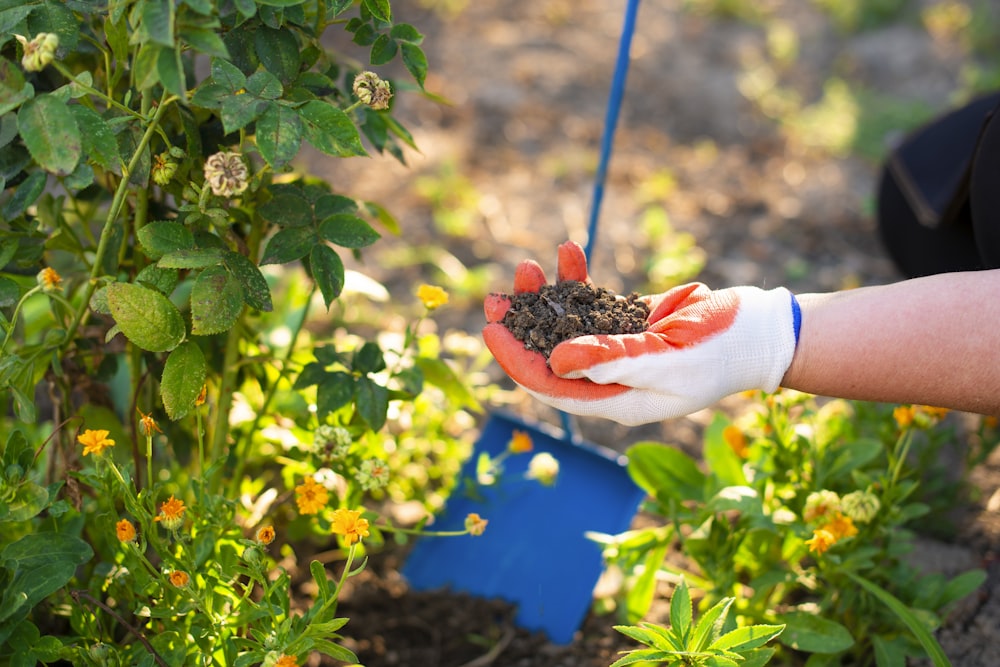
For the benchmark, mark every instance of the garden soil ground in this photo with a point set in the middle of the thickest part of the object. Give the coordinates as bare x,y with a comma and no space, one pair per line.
505,170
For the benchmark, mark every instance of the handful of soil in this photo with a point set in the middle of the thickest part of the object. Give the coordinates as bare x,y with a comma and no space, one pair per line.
568,309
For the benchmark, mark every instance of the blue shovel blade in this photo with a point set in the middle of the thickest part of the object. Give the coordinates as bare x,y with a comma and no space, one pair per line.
534,553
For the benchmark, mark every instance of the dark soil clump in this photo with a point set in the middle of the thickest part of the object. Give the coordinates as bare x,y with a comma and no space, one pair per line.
568,309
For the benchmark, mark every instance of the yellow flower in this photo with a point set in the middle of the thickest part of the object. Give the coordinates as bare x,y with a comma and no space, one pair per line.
350,524
265,535
147,424
125,530
520,443
933,412
179,578
432,296
903,414
171,513
310,496
475,524
286,661
95,441
840,526
821,541
736,440
201,396
49,279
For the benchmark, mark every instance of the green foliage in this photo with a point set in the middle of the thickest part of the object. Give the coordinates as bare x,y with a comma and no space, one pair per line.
800,517
161,260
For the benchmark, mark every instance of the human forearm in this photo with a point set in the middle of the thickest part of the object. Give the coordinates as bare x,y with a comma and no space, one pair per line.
932,341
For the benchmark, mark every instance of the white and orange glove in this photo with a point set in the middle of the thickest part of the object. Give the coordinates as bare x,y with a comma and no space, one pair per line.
700,345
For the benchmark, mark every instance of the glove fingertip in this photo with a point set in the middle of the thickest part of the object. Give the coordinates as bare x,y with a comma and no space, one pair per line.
528,277
572,263
495,306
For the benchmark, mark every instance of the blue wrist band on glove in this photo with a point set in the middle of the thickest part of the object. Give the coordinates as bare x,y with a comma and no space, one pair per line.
796,317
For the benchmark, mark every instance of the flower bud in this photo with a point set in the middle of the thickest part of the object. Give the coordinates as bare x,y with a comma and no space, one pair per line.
49,280
543,467
372,90
39,52
163,169
860,506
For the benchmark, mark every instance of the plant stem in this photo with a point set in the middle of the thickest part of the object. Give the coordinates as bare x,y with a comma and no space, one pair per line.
227,386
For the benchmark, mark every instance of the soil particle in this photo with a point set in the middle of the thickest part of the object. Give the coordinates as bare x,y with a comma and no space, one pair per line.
568,309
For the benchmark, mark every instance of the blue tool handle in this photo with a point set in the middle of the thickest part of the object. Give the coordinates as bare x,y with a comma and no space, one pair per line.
607,139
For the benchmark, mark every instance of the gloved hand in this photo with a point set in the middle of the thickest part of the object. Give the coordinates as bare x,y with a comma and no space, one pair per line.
700,345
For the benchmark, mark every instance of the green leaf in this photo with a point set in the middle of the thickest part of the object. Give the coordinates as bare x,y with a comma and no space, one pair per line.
665,472
204,40
646,655
724,463
25,195
256,292
55,16
415,61
264,85
372,402
746,638
383,50
183,377
13,88
279,133
146,66
334,392
170,69
227,75
216,301
962,585
98,139
681,611
709,625
322,583
238,111
50,131
28,500
330,130
405,32
289,245
194,258
164,236
10,292
368,359
380,9
348,231
288,208
926,639
156,22
146,317
805,631
160,279
438,373
327,271
279,52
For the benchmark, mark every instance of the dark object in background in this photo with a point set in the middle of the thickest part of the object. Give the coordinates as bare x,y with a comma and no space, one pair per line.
939,193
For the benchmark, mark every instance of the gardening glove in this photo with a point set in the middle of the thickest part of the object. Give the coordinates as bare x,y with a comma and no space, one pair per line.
700,345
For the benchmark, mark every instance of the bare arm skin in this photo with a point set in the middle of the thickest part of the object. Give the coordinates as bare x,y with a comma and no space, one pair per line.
929,341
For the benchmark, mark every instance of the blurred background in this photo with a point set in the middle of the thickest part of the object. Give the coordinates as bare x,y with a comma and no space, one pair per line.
748,150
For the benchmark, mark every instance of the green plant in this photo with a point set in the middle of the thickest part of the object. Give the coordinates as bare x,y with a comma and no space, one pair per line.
803,516
190,390
714,641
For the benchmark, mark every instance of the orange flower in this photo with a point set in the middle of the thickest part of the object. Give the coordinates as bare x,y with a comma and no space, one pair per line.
931,411
350,524
841,526
147,424
520,443
49,279
265,535
821,541
903,415
201,396
95,442
125,530
171,513
179,578
736,440
475,524
310,496
286,661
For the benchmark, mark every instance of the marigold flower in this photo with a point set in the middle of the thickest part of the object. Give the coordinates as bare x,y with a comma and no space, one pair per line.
543,467
933,412
373,474
903,414
840,526
861,506
820,504
227,174
372,90
520,443
265,535
286,661
350,524
736,440
310,496
147,424
171,513
179,578
432,296
49,279
39,52
125,530
821,541
95,441
475,524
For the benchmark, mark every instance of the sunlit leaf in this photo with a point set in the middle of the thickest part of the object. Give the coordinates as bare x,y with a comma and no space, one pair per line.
146,317
183,376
